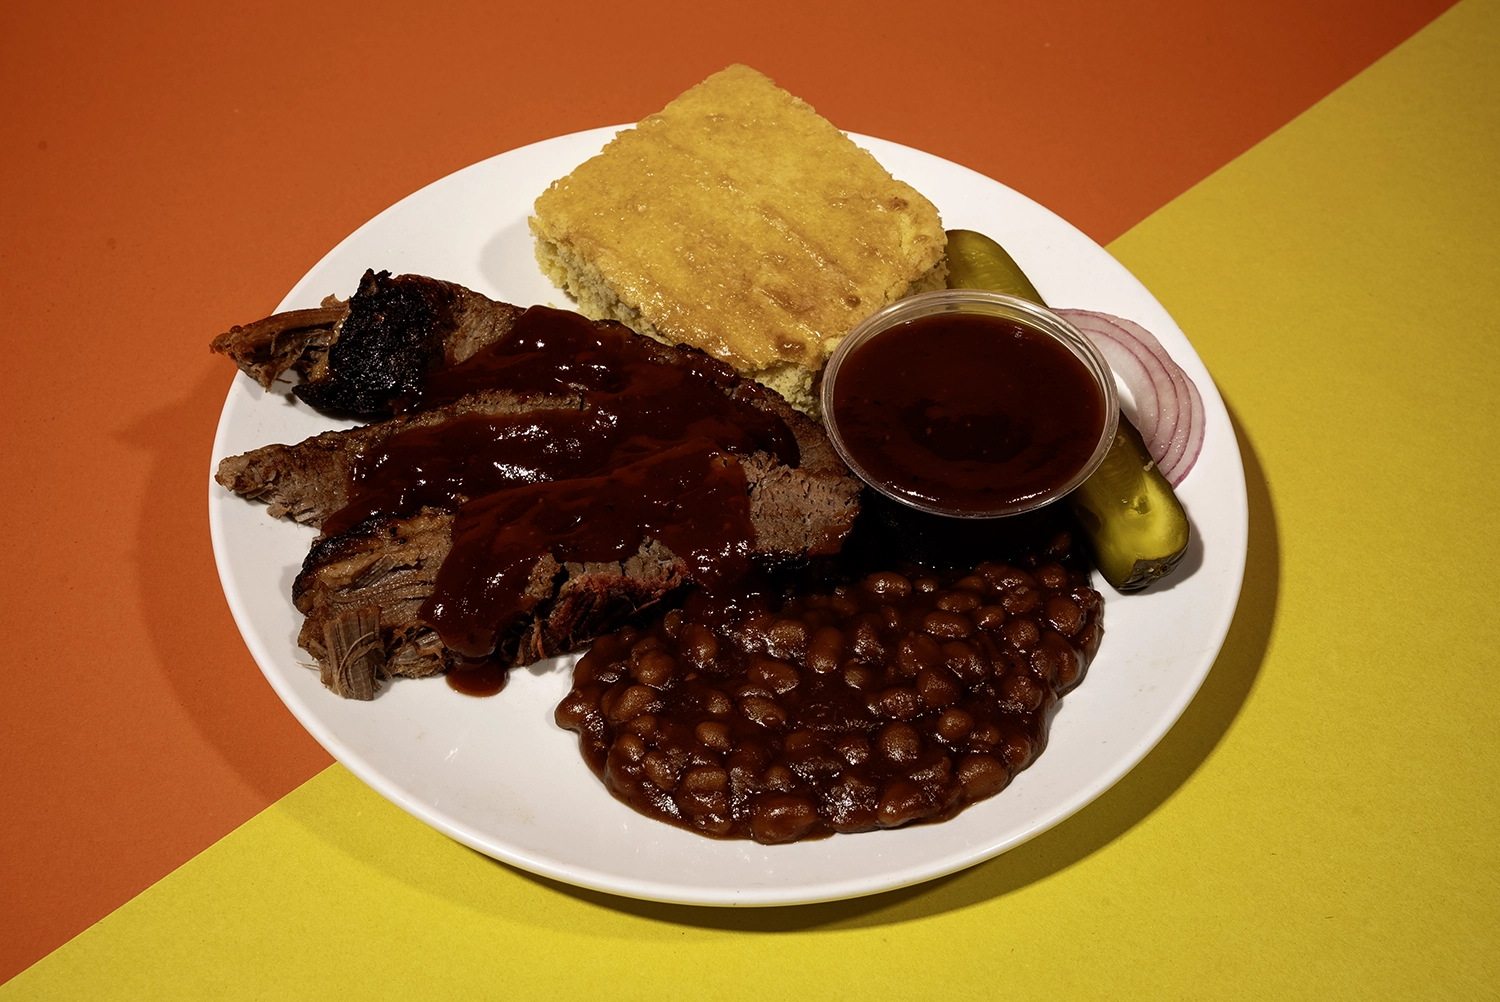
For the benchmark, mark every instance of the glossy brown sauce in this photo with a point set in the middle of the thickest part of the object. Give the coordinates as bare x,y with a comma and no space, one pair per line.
1015,418
651,454
691,498
478,678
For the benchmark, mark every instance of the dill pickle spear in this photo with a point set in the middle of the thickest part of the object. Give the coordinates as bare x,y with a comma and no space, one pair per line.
1134,522
977,262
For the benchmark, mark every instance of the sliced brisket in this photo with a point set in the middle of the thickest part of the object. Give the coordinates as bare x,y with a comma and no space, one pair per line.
370,588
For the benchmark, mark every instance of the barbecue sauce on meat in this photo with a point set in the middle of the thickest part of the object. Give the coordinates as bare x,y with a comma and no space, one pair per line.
650,454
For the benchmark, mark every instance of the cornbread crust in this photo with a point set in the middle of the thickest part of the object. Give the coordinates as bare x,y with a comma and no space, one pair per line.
739,221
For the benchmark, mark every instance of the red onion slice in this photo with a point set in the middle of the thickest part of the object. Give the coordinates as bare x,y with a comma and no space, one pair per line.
1186,393
1194,442
1155,394
1133,372
1169,409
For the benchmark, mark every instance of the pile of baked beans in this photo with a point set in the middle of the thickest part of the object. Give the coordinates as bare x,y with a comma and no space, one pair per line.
898,698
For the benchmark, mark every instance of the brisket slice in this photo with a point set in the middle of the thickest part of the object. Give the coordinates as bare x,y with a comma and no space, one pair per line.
361,591
309,481
362,356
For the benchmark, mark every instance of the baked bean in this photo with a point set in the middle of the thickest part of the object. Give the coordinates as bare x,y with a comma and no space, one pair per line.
671,623
955,724
1061,543
699,645
937,687
973,583
924,586
958,601
1088,640
1016,750
1053,576
1071,670
932,774
888,583
816,764
858,677
1020,599
705,779
1003,576
631,703
577,707
901,802
897,702
1022,691
606,671
899,743
854,747
759,710
780,677
716,703
826,650
799,741
783,818
982,776
649,642
630,748
917,651
948,625
850,803
1056,661
779,777
659,770
751,687
707,808
1086,599
1063,616
744,765
989,617
965,661
1022,633
644,725
866,643
788,638
713,735
654,668
843,604
985,733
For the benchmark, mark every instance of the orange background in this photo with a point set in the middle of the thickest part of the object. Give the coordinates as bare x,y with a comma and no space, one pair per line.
171,169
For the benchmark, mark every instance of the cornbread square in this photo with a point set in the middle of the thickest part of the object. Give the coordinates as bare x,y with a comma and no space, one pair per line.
739,221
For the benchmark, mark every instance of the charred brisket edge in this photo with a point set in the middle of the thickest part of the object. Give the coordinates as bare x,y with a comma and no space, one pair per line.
393,335
345,351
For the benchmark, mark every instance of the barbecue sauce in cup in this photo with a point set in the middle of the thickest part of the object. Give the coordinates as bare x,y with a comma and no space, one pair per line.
969,404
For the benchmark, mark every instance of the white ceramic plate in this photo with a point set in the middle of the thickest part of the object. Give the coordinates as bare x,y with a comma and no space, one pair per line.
498,775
